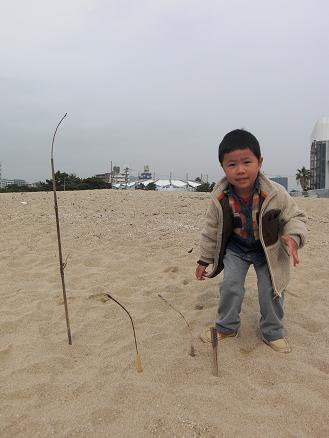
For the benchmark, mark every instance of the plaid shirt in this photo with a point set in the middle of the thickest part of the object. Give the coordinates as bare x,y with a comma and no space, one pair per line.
245,237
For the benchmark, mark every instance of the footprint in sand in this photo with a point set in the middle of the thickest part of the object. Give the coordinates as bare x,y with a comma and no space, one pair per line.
5,352
60,300
171,269
248,349
321,365
104,415
312,326
92,262
102,297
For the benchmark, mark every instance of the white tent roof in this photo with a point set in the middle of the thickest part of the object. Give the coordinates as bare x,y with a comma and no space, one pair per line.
321,130
160,183
193,184
147,182
166,183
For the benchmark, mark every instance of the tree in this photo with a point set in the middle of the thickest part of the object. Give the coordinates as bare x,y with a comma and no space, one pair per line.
303,177
151,186
64,181
205,187
93,183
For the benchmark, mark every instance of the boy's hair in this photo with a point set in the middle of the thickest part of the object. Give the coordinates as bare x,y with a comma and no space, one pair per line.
238,139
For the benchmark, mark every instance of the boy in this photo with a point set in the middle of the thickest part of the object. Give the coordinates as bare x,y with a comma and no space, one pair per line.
251,220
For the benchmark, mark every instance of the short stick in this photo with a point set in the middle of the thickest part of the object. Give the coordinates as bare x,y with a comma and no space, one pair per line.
214,343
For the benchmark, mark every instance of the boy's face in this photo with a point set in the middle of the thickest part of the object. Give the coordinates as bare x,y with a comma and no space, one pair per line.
241,168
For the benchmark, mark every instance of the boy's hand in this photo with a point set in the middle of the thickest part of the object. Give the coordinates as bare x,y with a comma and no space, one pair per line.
200,272
292,248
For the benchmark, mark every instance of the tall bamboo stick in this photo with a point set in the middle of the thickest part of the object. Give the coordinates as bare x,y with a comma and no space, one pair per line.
61,264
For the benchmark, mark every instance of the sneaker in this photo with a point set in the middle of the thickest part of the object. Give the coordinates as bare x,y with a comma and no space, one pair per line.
280,345
206,337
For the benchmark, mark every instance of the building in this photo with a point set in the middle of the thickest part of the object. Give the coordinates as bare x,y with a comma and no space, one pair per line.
117,177
319,157
10,182
121,178
104,177
283,180
146,174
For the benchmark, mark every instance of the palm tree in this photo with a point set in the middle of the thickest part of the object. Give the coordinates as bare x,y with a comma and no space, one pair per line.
303,177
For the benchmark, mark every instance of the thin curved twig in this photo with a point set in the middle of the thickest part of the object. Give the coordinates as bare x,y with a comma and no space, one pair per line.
192,349
52,144
138,360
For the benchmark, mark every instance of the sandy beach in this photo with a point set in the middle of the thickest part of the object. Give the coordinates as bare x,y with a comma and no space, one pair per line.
136,245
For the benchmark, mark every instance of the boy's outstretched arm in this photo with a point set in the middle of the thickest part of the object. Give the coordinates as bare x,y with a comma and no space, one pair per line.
294,231
208,242
292,248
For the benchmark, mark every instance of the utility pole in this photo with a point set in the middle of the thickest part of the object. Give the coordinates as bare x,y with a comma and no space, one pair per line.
111,173
126,176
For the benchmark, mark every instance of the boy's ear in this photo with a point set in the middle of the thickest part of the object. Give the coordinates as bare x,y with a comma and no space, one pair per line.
260,161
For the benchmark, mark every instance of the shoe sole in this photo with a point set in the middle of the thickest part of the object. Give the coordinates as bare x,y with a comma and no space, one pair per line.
276,349
207,340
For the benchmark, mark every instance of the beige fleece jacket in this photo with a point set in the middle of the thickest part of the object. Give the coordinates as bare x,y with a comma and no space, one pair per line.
279,215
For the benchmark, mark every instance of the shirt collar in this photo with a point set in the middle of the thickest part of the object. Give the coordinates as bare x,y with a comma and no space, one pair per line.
231,191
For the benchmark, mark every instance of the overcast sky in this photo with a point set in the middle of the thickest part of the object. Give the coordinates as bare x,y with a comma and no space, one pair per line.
159,83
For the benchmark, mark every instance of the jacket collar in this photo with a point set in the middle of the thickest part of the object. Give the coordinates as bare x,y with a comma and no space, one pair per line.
265,185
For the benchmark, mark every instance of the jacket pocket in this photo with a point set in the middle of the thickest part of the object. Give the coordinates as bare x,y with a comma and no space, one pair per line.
271,226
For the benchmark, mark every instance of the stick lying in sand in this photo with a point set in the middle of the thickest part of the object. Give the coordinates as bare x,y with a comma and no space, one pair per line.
214,343
61,264
138,359
192,349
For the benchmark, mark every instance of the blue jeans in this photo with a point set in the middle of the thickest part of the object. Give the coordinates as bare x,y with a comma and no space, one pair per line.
232,293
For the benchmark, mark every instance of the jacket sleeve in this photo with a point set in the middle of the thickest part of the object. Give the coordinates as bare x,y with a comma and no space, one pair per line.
293,220
208,242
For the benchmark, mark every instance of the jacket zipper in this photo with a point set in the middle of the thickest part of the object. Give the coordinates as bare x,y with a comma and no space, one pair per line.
265,203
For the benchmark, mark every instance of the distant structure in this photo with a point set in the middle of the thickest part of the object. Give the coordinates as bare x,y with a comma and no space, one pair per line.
319,158
1,187
104,177
9,182
121,179
146,174
283,180
116,177
168,185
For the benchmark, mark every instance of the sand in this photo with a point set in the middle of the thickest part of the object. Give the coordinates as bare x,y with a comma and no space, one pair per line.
136,245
